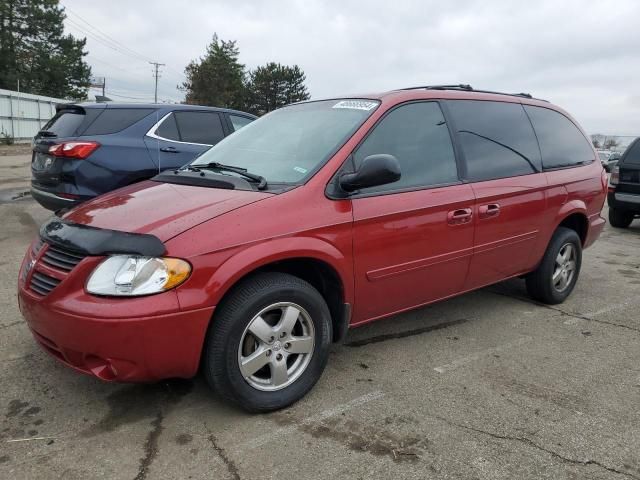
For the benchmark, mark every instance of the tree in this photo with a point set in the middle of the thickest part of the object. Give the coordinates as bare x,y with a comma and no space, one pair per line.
35,51
273,86
610,143
596,140
217,79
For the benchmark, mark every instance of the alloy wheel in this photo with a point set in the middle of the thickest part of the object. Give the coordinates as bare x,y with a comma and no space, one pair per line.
276,347
565,267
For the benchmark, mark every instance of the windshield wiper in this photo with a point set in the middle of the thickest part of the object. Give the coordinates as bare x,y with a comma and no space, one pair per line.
262,182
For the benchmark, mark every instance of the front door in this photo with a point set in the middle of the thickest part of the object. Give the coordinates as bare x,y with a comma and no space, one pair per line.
412,239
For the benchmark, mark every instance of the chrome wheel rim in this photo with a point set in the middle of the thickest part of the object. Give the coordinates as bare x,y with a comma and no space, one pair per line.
276,347
565,267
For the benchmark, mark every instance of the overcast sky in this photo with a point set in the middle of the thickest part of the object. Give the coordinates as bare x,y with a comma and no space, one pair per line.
581,55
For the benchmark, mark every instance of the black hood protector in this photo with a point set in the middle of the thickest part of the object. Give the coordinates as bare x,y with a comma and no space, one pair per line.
97,241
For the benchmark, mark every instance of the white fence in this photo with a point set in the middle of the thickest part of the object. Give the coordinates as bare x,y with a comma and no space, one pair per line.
23,114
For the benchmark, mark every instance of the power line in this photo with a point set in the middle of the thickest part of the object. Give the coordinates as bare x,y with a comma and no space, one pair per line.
110,42
102,41
108,38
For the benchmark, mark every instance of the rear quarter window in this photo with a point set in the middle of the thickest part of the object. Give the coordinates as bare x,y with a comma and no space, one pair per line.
238,121
496,138
114,120
71,122
168,129
562,144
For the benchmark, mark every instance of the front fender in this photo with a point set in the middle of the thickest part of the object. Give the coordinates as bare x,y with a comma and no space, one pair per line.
247,260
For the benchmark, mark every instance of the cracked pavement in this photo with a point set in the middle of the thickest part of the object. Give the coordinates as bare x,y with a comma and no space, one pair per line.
489,385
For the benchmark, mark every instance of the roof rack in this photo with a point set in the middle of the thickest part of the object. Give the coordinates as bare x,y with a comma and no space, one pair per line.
468,88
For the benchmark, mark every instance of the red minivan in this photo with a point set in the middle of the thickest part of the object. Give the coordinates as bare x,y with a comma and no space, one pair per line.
323,215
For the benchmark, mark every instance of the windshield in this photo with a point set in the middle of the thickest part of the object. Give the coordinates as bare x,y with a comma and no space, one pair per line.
292,143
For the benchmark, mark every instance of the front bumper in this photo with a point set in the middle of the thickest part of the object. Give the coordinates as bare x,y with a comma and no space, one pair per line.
137,349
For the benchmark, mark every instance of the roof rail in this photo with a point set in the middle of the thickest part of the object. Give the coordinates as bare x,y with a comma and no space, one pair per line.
468,88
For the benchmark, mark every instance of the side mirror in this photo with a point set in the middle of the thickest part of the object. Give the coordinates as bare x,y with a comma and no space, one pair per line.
375,170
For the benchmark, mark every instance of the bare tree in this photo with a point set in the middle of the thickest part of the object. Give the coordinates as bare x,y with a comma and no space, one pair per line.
597,140
611,143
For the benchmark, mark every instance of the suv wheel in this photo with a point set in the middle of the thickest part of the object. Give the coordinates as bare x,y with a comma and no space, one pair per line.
620,218
553,281
268,343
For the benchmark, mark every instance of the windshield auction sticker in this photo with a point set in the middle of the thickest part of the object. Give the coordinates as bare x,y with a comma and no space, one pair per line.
356,105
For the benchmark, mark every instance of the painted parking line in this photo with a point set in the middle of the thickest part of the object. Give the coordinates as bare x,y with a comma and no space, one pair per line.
483,353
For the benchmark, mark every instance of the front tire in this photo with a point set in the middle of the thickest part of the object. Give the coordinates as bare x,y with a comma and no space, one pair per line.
268,343
556,276
620,218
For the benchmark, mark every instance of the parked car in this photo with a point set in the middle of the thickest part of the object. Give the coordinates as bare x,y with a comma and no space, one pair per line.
612,161
87,149
604,157
324,215
624,187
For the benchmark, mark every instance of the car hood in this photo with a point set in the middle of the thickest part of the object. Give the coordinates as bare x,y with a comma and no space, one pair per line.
161,209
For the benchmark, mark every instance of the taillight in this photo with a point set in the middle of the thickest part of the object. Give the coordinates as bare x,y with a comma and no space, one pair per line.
615,176
80,150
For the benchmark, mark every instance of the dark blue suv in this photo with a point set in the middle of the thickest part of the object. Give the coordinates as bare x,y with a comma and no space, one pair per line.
89,149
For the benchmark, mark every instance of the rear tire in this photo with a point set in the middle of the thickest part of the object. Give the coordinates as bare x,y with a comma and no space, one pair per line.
268,342
556,276
619,218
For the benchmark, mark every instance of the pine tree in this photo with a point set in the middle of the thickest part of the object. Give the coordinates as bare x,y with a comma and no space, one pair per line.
35,50
273,86
217,79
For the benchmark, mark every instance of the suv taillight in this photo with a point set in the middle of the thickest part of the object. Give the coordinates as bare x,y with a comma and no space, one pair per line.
615,176
79,150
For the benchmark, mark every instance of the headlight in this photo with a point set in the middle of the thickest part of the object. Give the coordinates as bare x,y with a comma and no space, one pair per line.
128,275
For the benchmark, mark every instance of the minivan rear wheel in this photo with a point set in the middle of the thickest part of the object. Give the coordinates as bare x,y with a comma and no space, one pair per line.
268,343
556,276
619,218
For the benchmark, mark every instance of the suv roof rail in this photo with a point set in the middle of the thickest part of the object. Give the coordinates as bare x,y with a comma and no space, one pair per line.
468,88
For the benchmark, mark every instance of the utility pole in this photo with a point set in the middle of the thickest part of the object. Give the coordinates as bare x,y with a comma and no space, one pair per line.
156,65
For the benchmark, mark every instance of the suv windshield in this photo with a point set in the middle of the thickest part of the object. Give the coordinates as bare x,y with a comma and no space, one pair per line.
292,143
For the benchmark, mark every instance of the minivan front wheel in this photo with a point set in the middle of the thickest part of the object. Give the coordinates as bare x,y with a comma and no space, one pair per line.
556,276
268,343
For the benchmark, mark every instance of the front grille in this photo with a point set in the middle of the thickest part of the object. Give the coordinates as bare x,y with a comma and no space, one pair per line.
61,258
42,284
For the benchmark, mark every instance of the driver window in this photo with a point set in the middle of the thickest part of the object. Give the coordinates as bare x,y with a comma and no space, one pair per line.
417,135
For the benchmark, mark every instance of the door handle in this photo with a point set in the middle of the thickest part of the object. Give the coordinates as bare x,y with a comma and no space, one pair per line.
489,211
169,150
460,216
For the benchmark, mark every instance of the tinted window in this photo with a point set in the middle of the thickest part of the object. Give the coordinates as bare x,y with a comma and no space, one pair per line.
168,129
65,124
238,122
199,127
417,135
632,155
113,120
561,143
497,139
